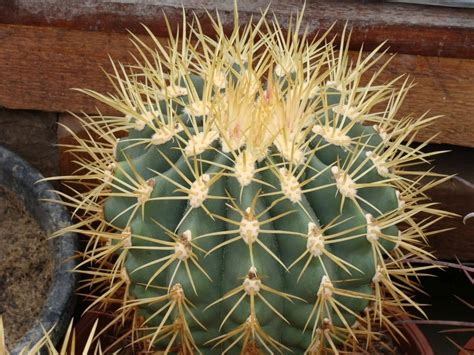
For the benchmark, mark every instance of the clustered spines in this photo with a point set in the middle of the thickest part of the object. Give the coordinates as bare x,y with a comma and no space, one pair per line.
173,328
200,142
199,190
244,168
164,134
373,229
328,310
333,135
143,192
249,227
290,186
287,106
319,244
344,182
315,243
253,288
183,247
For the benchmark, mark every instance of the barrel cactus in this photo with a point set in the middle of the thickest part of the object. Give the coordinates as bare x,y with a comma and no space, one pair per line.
251,195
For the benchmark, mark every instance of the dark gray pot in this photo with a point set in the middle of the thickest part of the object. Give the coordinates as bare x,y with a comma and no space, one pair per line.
21,178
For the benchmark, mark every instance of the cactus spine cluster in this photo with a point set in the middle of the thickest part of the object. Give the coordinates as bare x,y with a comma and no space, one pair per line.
258,199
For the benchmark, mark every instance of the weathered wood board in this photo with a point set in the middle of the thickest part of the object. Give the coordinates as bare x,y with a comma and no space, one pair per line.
40,65
33,136
411,29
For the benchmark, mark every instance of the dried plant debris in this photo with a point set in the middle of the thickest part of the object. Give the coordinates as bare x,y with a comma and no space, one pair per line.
45,345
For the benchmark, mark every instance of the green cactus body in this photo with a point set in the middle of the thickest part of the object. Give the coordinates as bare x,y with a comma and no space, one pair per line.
256,199
241,237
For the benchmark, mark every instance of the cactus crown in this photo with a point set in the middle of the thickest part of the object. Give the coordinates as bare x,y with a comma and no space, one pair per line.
257,200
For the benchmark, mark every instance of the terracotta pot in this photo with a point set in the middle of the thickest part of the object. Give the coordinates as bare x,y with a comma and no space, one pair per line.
416,342
468,347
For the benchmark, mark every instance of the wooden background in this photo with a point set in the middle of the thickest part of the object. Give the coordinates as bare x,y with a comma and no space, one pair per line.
48,47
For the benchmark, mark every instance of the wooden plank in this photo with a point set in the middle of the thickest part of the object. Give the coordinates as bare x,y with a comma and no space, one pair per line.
410,29
32,135
40,65
444,86
457,196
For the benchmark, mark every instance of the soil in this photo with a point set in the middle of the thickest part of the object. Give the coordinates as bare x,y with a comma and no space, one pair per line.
25,267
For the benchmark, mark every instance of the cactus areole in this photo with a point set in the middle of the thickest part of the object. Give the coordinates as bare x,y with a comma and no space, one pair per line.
256,201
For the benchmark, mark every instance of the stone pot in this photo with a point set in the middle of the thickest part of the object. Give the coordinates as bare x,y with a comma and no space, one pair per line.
21,178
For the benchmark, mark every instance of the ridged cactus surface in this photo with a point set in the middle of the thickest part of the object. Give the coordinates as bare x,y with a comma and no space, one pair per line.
257,199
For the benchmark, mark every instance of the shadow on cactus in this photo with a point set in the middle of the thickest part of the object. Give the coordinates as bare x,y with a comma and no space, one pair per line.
259,201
